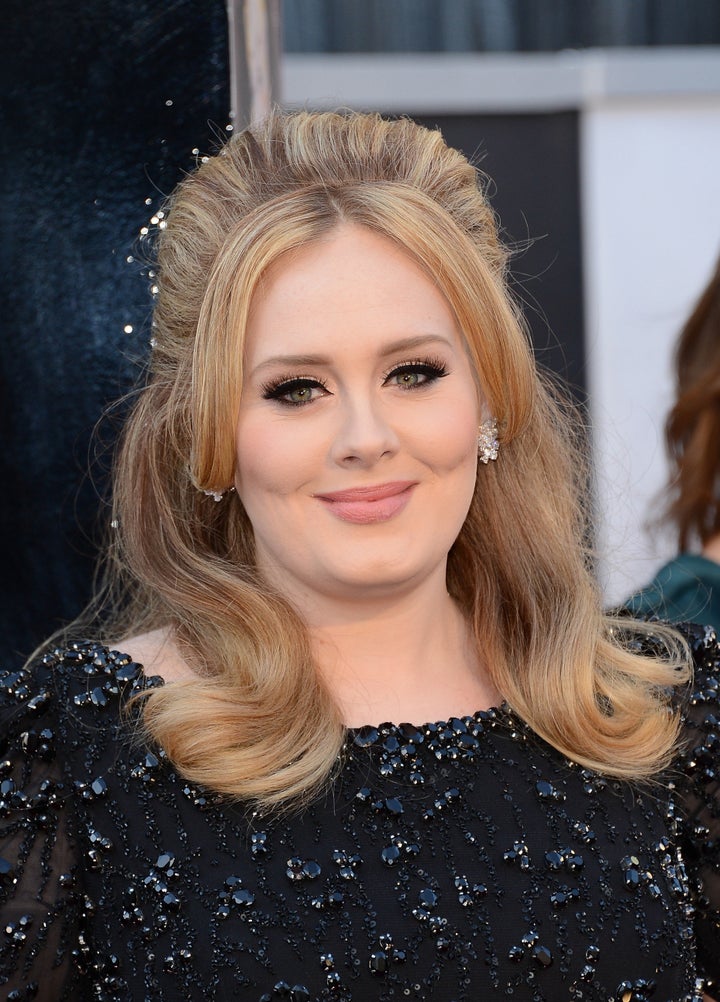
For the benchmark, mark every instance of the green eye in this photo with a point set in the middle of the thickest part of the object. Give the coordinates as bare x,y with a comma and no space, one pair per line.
408,378
413,375
295,392
300,395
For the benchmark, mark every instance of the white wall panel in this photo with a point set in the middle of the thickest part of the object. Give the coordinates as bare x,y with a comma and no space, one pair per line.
651,229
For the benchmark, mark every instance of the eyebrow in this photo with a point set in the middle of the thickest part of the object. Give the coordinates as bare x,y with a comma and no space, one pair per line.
402,344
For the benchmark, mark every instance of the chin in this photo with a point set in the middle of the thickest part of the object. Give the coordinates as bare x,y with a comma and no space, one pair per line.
377,583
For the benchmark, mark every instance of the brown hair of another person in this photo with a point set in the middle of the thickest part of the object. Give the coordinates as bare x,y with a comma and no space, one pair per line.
692,429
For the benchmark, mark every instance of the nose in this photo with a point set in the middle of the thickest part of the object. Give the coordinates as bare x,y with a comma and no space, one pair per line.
364,434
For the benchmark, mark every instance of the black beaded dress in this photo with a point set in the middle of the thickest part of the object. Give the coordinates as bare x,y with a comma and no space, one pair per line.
457,862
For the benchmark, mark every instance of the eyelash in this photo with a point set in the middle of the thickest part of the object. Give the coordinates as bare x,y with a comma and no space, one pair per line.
279,390
431,368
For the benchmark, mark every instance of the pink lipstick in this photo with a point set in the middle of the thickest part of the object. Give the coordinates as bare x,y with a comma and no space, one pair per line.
363,505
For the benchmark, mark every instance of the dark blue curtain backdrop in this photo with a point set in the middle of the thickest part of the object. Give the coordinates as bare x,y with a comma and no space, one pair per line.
103,102
495,25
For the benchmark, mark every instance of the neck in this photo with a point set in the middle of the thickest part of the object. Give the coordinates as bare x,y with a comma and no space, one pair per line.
711,549
406,658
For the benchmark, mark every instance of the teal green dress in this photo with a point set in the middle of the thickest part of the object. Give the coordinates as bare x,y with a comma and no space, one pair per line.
686,589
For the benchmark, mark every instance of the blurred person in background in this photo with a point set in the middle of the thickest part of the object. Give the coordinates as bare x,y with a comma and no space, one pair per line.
688,587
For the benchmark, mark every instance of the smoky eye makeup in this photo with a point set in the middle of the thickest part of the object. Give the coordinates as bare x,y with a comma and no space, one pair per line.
416,373
294,391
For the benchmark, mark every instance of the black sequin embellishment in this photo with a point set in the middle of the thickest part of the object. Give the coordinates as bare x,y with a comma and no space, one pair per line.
452,861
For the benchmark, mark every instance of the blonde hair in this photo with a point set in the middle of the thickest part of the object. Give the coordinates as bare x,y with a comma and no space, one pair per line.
258,722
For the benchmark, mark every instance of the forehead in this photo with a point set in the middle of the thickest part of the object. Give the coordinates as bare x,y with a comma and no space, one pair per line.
351,282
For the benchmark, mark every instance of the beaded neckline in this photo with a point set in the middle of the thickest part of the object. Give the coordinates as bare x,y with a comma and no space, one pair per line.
467,723
402,747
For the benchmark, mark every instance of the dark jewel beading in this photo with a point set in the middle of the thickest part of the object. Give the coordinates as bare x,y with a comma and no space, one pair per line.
452,861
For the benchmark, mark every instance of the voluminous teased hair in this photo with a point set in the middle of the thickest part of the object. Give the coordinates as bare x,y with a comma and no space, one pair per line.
692,429
258,722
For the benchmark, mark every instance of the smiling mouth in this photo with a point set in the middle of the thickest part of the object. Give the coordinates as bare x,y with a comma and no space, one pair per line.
363,505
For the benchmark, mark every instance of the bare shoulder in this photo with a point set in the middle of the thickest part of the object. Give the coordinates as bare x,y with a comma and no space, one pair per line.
158,653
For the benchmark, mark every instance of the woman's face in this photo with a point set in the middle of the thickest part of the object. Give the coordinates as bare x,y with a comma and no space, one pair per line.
357,430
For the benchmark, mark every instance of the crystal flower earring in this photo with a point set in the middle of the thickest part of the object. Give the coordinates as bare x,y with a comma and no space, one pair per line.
487,442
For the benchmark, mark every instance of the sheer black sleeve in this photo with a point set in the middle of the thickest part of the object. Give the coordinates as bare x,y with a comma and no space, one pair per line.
699,790
41,942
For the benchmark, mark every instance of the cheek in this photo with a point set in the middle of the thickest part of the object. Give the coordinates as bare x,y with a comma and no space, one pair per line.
270,459
450,438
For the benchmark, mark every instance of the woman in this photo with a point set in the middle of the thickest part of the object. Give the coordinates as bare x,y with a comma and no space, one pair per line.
344,498
688,586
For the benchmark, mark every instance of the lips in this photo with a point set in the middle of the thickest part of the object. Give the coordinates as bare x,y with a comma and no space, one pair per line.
363,505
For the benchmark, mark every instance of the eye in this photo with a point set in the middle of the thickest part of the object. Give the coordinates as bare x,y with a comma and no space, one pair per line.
412,375
295,392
